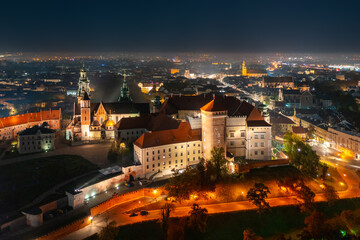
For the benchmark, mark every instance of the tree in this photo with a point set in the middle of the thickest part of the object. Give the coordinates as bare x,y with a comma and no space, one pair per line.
109,232
257,195
301,155
166,209
324,170
281,236
250,235
176,228
330,194
219,161
317,228
351,221
307,196
198,218
311,132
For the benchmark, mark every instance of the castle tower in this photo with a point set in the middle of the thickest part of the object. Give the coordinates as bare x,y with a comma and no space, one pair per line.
125,93
213,123
83,85
85,116
244,70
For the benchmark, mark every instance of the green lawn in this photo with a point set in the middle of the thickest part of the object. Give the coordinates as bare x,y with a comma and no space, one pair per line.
21,182
231,225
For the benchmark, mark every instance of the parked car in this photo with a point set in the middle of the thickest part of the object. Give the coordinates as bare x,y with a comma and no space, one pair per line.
133,215
143,213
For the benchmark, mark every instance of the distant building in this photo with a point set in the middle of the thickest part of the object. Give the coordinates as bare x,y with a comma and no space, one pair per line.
281,123
300,131
146,87
252,72
187,73
36,139
277,82
12,125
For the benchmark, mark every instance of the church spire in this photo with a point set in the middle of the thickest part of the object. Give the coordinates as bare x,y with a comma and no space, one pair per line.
83,85
124,94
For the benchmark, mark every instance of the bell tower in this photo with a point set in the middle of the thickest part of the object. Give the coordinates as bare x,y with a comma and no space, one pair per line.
85,117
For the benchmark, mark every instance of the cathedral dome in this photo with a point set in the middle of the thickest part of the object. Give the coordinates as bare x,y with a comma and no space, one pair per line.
95,123
110,123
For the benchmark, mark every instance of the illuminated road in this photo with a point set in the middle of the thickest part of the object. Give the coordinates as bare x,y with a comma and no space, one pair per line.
118,214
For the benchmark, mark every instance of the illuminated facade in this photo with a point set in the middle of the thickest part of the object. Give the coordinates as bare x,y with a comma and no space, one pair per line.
36,139
12,125
96,121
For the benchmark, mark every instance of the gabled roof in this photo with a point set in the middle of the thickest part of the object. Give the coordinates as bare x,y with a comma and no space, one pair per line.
35,129
214,106
117,107
299,130
182,134
234,106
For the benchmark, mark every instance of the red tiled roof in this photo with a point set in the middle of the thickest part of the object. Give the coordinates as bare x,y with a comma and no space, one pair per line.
299,130
182,134
30,117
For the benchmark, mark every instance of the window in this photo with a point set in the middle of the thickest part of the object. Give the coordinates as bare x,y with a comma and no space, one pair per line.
256,152
232,134
256,136
182,146
262,136
218,141
163,163
262,144
169,162
153,152
262,152
158,151
158,157
231,143
256,144
181,154
147,167
153,158
175,154
169,155
158,164
153,165
169,149
242,134
147,160
163,150
175,147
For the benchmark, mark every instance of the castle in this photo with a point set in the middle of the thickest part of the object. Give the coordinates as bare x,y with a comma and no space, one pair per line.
94,121
207,122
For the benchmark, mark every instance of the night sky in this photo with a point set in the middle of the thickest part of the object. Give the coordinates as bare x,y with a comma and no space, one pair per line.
180,26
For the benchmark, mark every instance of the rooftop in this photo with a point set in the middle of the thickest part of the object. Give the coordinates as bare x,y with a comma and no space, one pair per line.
182,134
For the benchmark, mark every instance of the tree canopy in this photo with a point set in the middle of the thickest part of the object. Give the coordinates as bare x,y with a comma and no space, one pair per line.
301,155
257,195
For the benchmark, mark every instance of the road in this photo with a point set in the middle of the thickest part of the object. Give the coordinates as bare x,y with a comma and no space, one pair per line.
118,214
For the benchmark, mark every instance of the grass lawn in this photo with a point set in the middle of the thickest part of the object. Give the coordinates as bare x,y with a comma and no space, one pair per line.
21,182
231,225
